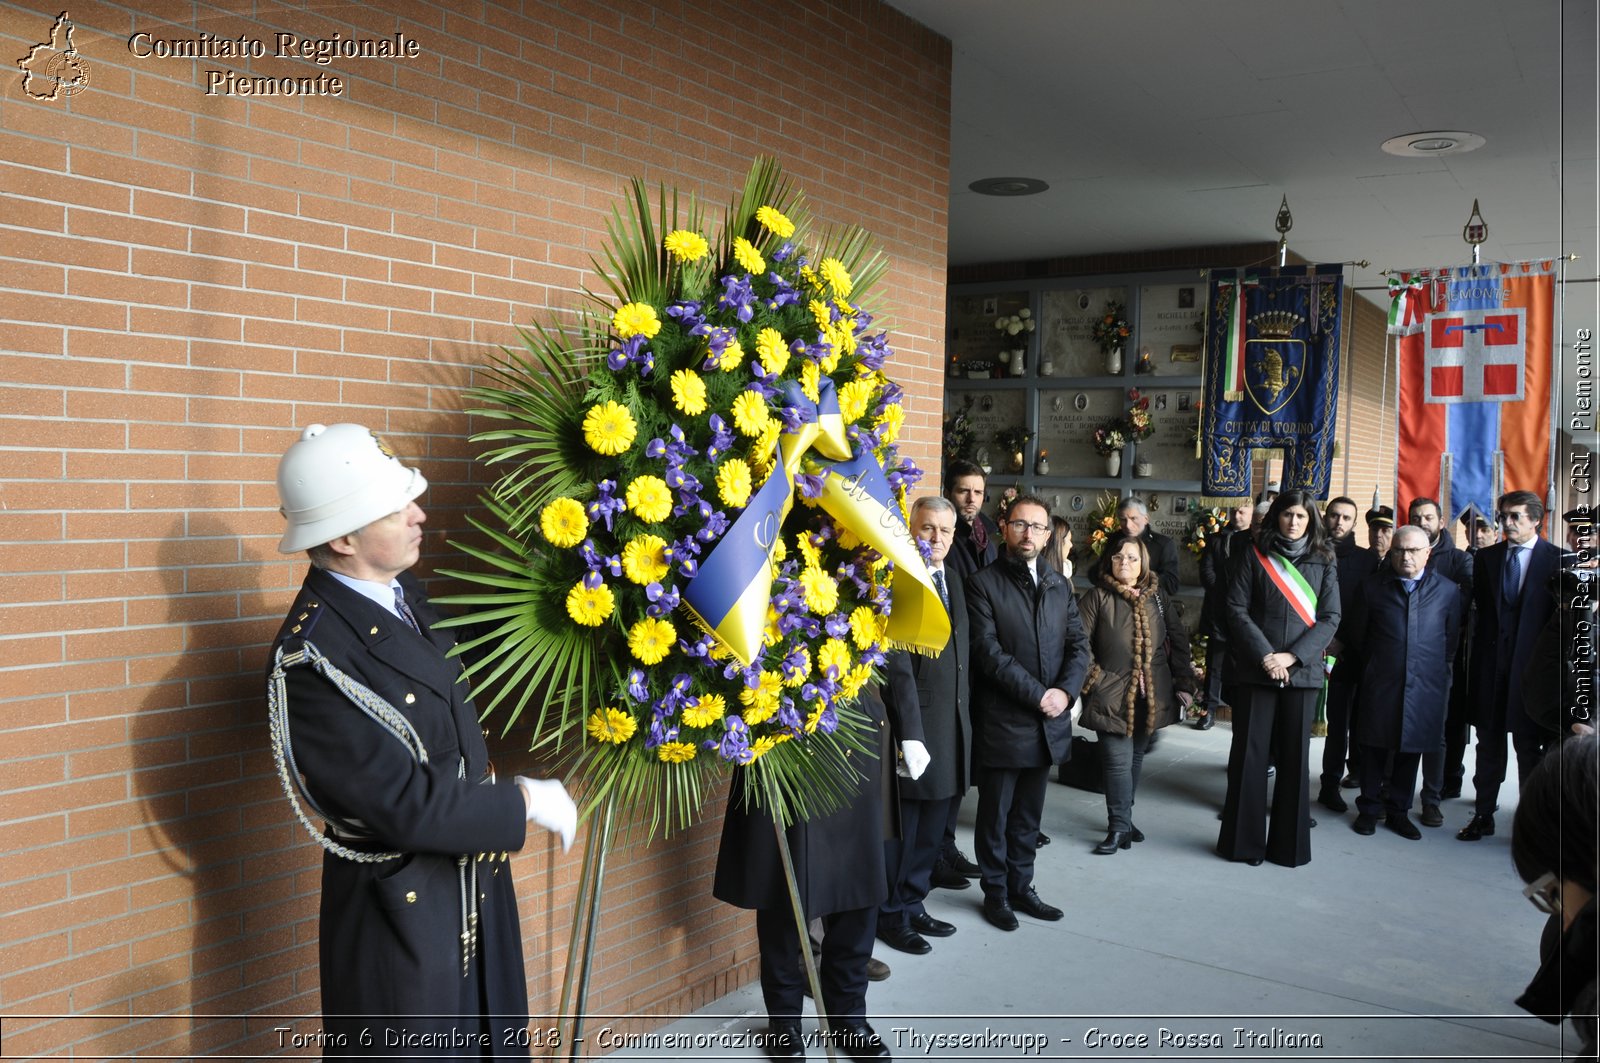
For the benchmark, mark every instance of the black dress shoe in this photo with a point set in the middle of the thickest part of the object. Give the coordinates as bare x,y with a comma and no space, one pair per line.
1206,721
1313,822
1401,824
1331,800
1431,816
784,1040
925,924
1365,824
999,913
1117,839
1481,825
1135,834
961,864
1257,862
1031,903
948,878
877,970
1044,840
904,939
1349,782
860,1041
1450,792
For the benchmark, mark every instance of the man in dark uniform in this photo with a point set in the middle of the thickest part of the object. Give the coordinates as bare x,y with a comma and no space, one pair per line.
1380,530
1445,559
935,689
419,941
1511,589
1031,654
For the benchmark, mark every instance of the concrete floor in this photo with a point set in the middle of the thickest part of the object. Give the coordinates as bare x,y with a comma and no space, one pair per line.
1379,949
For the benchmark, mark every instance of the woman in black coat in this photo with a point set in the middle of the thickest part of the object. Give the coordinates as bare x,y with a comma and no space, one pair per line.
1281,612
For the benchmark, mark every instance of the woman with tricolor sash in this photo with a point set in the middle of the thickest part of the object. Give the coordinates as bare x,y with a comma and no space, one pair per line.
1282,609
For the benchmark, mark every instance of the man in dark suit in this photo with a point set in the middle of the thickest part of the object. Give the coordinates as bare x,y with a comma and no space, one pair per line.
977,535
1404,625
1134,518
1511,590
1445,559
935,690
419,933
1443,775
1031,654
1214,575
1355,564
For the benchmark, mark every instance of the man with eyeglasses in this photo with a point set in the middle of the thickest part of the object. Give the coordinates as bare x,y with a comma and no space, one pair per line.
1031,654
1403,630
1446,559
1511,592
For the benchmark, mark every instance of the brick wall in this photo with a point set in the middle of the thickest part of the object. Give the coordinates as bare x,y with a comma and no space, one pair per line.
187,279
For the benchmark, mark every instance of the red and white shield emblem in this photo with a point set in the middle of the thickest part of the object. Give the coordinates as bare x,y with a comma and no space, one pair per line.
1474,356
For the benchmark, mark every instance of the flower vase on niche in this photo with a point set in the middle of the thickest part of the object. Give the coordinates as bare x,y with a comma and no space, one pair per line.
1141,467
1041,465
1017,363
1114,463
1016,461
1114,361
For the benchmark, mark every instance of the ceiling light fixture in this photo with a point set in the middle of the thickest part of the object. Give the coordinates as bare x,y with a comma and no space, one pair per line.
1008,186
1435,142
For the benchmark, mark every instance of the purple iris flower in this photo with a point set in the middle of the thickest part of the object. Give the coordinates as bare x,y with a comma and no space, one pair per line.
662,601
873,351
788,715
925,550
828,722
812,628
714,527
636,687
735,744
784,253
687,314
737,296
872,656
605,505
838,625
783,293
721,437
789,623
810,484
660,734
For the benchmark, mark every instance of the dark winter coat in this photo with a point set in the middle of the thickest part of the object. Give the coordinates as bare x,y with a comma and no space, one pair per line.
1355,564
1503,642
935,691
1108,619
1406,644
389,932
1215,570
1025,640
964,556
1261,621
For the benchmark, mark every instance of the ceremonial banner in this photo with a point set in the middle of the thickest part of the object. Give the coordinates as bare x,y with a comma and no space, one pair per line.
1475,367
1272,375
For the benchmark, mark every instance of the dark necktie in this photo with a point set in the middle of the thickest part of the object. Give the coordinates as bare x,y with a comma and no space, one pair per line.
1513,582
980,534
404,610
938,583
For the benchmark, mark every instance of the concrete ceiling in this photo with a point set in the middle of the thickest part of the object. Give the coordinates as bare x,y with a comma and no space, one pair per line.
1175,123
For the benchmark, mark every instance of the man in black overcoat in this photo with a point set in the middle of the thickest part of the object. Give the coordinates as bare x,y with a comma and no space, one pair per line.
419,942
1214,574
1031,654
935,690
1511,593
1404,624
1355,564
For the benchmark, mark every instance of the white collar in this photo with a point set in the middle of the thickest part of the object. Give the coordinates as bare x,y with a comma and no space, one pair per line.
381,593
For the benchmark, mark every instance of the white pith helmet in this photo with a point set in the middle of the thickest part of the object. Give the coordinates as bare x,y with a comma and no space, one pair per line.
338,479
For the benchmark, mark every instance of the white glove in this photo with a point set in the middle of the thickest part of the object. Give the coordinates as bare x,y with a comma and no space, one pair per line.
550,807
1076,711
913,759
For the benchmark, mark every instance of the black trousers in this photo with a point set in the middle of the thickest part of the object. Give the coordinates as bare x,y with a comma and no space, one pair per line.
1006,836
1270,724
1388,781
1445,767
1530,743
1216,661
909,859
1338,748
846,947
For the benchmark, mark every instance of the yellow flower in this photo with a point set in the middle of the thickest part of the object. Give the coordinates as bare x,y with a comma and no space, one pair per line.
814,717
564,523
821,591
686,246
810,375
761,702
608,428
590,606
837,276
651,639
611,725
853,399
771,349
644,560
855,679
779,551
864,626
763,745
774,222
733,482
675,752
819,314
689,392
761,450
732,357
809,551
649,498
747,256
635,319
841,341
750,413
704,710
890,420
836,655
797,668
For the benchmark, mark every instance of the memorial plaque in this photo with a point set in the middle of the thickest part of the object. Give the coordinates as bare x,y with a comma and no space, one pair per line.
1067,420
1169,515
1066,344
1170,316
991,412
1170,450
975,344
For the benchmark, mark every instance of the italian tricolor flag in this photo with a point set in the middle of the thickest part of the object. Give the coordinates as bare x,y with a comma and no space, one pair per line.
1302,599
